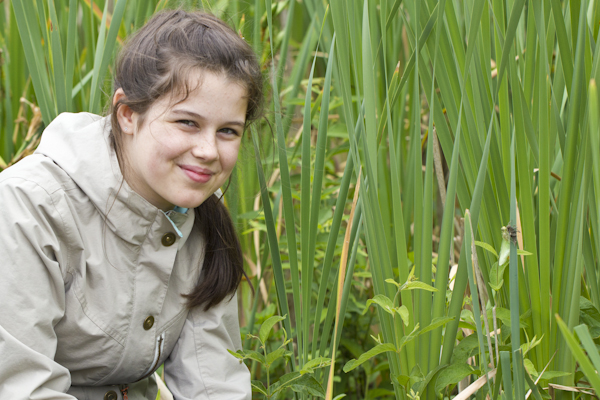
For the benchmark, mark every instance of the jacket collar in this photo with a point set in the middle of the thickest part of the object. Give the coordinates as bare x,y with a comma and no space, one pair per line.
80,145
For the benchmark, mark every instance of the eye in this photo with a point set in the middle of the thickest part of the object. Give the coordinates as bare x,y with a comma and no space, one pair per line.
229,131
187,123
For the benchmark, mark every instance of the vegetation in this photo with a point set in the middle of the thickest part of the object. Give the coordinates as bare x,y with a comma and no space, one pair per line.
422,207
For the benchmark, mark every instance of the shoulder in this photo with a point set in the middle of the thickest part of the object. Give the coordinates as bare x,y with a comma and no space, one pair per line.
33,215
35,180
35,170
32,192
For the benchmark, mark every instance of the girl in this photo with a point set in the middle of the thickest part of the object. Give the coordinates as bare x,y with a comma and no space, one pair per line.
116,255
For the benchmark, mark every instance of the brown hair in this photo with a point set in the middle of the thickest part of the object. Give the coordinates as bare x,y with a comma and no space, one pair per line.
156,62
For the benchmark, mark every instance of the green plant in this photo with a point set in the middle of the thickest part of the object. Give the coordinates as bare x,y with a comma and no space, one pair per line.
300,381
414,383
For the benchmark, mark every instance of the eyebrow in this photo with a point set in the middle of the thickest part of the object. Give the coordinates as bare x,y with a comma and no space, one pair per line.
198,116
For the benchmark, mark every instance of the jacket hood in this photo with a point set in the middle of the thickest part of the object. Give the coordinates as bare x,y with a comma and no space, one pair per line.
80,145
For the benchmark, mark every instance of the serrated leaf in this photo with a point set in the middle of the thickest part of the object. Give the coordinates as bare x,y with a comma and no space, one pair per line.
380,348
487,247
265,328
383,302
453,374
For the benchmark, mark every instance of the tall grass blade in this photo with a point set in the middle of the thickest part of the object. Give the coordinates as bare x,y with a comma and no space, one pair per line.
104,52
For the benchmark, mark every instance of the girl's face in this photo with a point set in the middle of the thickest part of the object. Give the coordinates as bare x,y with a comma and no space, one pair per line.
183,153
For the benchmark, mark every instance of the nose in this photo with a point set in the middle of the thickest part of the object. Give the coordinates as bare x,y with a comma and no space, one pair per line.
205,145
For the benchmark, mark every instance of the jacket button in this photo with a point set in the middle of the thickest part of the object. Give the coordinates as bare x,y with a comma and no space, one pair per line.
168,239
111,395
148,322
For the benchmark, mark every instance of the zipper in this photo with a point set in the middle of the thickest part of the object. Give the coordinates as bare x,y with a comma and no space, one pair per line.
157,353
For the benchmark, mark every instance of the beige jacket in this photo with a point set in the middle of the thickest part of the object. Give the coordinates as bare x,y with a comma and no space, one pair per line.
91,277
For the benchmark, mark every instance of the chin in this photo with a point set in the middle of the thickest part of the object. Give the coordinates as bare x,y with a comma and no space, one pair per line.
190,203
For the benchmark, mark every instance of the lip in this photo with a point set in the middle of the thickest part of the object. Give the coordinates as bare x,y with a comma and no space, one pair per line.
197,174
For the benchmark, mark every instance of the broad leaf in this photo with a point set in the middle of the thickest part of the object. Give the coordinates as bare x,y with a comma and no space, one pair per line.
404,314
465,349
307,384
497,276
251,355
313,364
275,355
418,285
380,348
407,338
590,316
393,282
437,322
504,315
259,387
547,375
265,329
402,380
420,387
454,373
486,247
237,354
530,367
383,302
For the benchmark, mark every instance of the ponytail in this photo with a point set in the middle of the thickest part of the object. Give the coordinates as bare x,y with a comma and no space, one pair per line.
222,268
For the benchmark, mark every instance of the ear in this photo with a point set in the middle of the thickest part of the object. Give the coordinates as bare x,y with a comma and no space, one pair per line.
125,114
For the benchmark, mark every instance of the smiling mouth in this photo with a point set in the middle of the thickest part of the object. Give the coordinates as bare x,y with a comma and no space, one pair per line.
196,174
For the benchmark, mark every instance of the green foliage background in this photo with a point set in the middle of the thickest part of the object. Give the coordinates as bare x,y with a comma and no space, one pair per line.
388,120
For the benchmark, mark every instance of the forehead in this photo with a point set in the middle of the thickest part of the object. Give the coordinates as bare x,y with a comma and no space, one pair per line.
197,80
204,93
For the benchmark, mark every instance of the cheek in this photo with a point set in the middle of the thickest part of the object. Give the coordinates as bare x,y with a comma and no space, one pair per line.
230,156
165,143
164,153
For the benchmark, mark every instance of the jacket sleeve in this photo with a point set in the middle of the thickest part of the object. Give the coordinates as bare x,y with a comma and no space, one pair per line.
32,294
199,366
